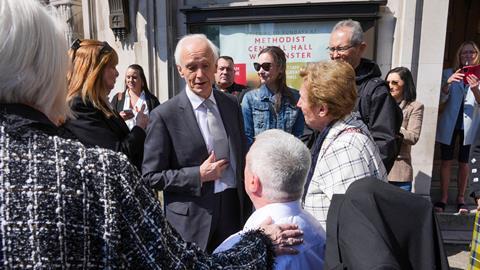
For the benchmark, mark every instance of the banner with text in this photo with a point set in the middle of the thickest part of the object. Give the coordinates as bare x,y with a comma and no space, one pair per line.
301,42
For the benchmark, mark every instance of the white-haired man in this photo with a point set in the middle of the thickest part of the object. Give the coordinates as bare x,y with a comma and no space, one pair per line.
195,150
276,167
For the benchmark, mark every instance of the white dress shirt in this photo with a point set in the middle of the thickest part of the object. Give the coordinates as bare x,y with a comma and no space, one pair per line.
228,177
140,102
311,251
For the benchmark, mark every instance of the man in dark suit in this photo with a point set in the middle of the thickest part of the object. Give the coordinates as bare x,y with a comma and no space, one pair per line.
195,149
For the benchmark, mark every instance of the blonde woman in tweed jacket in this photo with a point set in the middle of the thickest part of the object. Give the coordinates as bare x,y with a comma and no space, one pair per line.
402,88
344,151
65,206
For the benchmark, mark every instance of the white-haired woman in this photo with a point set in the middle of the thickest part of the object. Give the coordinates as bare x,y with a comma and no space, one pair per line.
64,205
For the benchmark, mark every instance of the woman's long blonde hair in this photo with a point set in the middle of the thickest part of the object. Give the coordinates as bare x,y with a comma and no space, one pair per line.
85,77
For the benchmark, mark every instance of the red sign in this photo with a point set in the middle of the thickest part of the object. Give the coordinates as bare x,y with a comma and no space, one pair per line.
241,74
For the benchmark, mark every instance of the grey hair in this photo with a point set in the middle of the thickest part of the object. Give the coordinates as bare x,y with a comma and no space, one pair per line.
281,162
33,58
181,43
354,26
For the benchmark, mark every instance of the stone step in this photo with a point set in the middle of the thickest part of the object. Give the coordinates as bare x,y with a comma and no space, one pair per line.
458,255
456,228
435,193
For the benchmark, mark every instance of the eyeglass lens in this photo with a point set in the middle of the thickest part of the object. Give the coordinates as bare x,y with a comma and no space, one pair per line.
339,49
266,66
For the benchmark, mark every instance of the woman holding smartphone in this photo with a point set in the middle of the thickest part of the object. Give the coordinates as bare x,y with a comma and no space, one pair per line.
135,96
92,76
459,97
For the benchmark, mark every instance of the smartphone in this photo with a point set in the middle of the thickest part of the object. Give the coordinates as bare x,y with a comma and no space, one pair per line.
128,114
468,70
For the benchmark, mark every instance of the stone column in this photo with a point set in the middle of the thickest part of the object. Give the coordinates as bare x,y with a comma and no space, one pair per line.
71,12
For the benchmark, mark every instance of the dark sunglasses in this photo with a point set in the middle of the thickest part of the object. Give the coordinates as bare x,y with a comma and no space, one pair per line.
76,44
266,66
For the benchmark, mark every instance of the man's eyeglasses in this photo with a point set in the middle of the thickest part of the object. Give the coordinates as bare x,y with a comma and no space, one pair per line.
340,49
76,44
266,66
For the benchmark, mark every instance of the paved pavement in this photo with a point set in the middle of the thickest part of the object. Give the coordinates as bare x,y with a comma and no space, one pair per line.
457,256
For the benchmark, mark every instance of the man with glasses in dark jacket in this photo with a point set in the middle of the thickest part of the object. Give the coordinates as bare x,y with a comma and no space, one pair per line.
376,106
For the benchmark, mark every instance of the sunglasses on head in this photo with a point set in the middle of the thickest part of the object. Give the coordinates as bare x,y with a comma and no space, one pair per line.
76,44
265,66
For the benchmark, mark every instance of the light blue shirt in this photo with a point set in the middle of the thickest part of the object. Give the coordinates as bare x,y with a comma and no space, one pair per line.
311,252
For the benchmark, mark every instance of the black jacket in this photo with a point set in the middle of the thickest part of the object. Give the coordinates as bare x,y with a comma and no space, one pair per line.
118,101
235,89
376,225
92,127
379,111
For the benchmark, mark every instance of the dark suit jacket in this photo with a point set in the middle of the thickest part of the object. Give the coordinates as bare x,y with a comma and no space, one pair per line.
92,127
376,225
174,151
119,100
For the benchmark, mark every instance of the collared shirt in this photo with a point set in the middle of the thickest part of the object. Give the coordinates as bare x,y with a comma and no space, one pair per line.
311,251
228,178
140,102
348,153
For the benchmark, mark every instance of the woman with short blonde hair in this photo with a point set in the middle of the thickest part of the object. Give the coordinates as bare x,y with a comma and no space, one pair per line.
337,89
344,150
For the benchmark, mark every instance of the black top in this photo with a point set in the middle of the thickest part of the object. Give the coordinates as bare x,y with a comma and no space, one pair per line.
92,128
379,111
235,89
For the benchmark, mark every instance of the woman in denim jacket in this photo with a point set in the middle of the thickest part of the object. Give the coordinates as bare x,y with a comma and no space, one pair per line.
273,105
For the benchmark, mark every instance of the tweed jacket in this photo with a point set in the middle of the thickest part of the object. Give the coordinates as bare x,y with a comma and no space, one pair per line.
63,205
348,153
411,127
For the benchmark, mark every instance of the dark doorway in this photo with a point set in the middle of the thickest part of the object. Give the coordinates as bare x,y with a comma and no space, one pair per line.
463,24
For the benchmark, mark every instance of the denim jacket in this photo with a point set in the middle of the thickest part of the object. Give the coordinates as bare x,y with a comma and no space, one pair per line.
259,113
